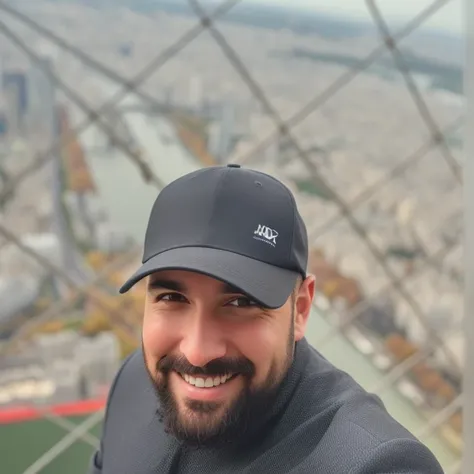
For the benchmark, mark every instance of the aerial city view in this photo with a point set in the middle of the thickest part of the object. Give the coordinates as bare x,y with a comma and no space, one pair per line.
71,228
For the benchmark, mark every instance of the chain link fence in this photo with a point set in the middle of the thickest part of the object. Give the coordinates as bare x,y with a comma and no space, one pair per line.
97,126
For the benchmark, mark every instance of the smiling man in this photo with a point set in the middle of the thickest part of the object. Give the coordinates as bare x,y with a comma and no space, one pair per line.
215,356
225,381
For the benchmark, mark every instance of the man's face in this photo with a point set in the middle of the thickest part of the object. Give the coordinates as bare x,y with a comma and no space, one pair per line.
216,357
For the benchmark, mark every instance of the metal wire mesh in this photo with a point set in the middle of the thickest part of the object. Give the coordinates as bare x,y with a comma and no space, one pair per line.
392,302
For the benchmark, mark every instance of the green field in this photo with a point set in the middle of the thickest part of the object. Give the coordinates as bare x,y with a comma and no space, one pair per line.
23,443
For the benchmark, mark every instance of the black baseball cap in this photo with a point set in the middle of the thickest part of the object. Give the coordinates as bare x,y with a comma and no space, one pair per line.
236,225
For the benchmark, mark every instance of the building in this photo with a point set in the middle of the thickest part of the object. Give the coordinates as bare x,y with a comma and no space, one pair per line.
17,263
41,99
99,359
14,90
59,368
18,296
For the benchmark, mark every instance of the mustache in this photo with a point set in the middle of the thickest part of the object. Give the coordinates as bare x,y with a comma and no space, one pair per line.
215,367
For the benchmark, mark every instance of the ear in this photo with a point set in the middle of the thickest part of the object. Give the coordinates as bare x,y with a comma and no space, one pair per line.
303,305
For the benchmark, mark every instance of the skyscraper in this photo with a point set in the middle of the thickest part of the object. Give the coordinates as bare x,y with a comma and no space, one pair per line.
221,132
42,97
16,80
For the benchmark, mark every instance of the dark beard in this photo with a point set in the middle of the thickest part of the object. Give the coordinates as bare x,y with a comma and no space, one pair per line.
248,410
233,425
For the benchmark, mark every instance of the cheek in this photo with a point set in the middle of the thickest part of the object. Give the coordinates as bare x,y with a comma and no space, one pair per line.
260,342
157,337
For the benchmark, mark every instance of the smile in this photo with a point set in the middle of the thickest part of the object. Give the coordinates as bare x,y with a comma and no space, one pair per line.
207,382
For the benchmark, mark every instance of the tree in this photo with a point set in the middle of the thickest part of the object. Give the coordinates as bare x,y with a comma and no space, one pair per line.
51,327
400,347
95,323
96,260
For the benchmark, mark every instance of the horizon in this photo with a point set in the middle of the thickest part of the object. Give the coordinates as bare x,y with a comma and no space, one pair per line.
448,19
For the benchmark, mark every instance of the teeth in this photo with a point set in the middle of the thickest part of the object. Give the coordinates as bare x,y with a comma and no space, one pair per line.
206,382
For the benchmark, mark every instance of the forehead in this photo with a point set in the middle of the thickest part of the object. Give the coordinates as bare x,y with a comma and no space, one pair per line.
187,281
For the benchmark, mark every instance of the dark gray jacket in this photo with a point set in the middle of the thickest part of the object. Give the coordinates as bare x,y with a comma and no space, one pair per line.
323,422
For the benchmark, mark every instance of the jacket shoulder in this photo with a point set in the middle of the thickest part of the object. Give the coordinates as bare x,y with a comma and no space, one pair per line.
351,429
130,390
97,458
399,455
374,441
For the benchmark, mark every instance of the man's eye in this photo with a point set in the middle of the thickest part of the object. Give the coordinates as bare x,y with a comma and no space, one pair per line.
171,297
242,302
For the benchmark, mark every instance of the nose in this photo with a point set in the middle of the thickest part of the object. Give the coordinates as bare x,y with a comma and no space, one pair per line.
203,341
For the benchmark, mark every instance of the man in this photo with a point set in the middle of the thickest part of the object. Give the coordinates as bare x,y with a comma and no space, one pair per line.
225,381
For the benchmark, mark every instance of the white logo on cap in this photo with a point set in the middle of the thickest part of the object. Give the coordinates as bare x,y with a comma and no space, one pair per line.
265,234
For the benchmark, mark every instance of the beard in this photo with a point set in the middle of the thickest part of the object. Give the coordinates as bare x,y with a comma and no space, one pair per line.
213,424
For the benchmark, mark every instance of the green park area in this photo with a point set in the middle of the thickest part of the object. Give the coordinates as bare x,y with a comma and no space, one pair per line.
24,443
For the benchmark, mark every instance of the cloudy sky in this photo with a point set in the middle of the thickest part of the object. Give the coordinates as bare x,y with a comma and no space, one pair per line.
449,18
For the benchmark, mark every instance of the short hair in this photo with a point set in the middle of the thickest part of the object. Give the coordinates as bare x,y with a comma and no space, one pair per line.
298,283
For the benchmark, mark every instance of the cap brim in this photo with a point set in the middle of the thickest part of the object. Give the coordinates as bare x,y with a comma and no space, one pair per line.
268,285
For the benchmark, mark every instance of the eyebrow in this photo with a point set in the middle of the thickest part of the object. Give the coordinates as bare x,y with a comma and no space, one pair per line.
173,285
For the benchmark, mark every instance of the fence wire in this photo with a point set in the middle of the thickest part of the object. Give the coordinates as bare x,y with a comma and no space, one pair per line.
416,365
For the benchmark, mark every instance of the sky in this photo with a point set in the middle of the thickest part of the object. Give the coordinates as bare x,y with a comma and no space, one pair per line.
449,18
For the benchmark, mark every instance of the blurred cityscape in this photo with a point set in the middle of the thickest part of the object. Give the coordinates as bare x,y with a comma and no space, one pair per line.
73,227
